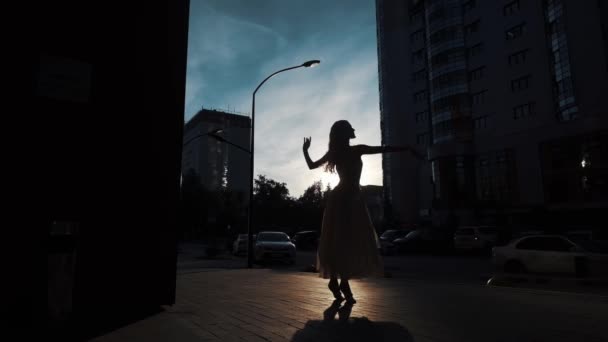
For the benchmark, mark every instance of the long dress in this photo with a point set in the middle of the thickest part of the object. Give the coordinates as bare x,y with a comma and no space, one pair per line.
348,247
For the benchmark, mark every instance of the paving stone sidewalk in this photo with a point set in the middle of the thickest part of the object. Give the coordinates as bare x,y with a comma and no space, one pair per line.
271,305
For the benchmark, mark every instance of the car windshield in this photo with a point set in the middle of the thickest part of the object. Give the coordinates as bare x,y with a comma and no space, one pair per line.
465,231
389,234
273,237
487,230
413,234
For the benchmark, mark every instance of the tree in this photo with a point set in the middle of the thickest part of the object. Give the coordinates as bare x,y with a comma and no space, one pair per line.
311,204
272,205
312,196
269,190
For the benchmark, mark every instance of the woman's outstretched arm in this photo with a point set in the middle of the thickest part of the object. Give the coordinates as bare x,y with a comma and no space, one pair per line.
309,162
365,149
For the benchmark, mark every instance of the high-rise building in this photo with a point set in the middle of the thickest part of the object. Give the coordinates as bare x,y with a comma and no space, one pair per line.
508,100
218,164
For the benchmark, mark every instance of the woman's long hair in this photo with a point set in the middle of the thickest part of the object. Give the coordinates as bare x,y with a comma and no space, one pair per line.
338,143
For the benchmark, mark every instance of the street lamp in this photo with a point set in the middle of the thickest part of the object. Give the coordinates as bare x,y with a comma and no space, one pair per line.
214,134
307,64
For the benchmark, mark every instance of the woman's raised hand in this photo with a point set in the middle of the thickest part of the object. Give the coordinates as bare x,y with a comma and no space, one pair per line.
306,144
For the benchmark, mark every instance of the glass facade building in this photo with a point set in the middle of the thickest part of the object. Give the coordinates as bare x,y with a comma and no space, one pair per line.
491,92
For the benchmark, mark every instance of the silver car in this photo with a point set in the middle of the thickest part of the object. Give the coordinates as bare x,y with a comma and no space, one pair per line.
274,246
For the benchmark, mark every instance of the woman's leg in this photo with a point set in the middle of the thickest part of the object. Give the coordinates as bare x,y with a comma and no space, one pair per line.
345,288
334,287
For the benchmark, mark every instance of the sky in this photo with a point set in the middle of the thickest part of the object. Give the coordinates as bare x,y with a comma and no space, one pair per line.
234,44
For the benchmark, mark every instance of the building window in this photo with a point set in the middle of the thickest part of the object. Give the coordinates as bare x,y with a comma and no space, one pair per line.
476,74
480,122
451,79
420,96
454,103
439,13
511,8
422,116
574,168
453,180
443,35
518,57
419,75
418,56
468,5
422,139
520,84
471,28
416,17
495,176
417,37
447,57
515,32
475,50
560,64
523,111
443,130
479,97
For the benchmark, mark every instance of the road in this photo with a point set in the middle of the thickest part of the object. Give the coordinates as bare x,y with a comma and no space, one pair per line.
468,269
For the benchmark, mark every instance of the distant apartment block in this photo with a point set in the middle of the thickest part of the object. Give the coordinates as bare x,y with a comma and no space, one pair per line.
218,164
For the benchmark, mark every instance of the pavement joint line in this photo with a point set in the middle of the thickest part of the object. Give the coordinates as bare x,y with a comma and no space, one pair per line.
548,291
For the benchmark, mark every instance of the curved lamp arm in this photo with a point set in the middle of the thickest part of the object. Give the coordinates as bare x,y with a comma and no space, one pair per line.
307,64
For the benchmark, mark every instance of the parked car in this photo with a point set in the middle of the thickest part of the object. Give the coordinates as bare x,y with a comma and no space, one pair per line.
548,254
527,232
475,237
306,240
387,247
425,240
274,246
239,246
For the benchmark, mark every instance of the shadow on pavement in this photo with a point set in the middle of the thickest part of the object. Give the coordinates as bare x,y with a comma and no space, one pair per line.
337,325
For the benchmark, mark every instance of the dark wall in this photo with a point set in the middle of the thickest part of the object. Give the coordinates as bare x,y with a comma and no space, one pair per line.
99,95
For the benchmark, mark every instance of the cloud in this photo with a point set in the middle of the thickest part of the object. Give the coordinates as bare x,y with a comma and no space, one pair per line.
307,104
294,104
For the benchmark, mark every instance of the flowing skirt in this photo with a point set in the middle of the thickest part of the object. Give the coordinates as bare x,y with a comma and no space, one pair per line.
348,247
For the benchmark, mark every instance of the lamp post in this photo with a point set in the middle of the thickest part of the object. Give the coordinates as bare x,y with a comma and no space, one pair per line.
307,64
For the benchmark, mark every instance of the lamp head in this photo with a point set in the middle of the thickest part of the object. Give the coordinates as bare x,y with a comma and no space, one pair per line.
216,131
311,63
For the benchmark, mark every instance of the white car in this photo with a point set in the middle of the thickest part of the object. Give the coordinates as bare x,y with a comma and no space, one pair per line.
239,246
475,237
547,254
274,246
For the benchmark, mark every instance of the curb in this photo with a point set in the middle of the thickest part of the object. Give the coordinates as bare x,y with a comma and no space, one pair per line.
550,283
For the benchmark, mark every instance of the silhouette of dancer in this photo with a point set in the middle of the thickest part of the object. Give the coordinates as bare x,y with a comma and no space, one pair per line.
348,247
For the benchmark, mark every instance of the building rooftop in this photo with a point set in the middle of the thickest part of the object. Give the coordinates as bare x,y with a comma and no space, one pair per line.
217,116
